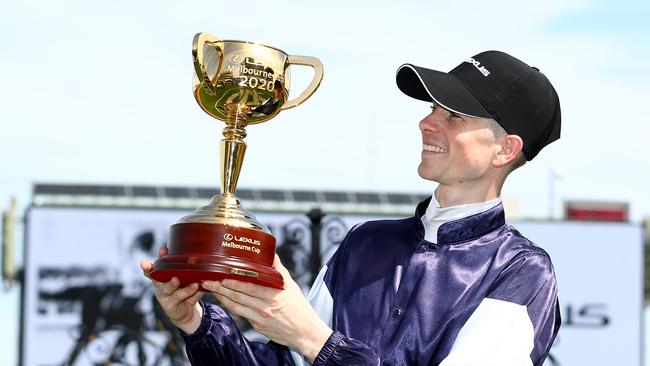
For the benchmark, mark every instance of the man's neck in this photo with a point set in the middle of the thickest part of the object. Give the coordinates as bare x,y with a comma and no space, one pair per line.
453,196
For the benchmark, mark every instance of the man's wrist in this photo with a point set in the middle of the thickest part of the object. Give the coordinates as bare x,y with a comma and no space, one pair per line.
195,322
311,347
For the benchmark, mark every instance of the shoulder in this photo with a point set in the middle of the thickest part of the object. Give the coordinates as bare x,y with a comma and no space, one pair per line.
527,269
519,248
376,234
383,228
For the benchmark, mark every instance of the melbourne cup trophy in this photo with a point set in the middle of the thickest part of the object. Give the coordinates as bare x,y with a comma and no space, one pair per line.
240,83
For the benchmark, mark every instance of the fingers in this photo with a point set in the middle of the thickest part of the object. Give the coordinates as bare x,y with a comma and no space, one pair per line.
189,293
286,276
146,267
277,264
162,251
236,303
166,289
236,294
179,303
252,290
197,296
238,309
169,294
251,301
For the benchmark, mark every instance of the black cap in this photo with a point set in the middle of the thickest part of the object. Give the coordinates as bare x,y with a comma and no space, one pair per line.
494,85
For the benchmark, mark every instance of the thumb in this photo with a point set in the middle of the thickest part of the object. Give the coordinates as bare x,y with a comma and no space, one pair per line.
277,264
146,267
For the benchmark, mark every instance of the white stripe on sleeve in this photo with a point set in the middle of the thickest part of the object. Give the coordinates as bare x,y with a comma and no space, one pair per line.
321,300
497,333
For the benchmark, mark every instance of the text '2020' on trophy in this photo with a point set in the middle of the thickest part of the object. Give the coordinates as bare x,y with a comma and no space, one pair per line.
240,83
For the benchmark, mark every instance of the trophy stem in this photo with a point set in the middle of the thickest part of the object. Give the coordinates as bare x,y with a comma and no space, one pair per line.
232,150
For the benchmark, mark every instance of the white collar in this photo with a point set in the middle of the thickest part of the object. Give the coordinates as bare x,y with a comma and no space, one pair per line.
435,215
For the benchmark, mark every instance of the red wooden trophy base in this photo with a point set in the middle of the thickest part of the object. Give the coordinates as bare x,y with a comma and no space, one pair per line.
206,251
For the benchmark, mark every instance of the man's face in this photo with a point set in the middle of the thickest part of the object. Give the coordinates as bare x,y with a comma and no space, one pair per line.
457,150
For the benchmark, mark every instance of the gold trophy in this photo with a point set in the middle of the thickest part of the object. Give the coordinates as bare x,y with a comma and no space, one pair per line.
240,83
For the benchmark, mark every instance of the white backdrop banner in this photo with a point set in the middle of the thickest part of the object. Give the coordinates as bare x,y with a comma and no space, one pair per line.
86,302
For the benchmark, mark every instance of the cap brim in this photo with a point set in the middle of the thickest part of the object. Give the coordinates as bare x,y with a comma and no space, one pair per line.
442,88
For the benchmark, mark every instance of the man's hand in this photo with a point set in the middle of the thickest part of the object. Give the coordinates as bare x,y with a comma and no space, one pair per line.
284,316
180,305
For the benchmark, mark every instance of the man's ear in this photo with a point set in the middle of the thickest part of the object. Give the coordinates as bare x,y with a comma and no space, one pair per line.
510,147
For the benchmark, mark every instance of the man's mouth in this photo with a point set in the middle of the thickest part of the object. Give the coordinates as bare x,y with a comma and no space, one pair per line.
434,148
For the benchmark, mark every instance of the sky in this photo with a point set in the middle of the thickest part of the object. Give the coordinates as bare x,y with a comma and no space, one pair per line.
100,92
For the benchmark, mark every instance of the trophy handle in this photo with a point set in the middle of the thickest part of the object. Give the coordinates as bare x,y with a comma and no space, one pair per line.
315,82
200,39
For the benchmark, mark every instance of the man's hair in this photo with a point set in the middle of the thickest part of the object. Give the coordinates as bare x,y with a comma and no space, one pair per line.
498,131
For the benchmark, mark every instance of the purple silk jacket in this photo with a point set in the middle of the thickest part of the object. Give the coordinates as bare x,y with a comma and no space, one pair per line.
482,295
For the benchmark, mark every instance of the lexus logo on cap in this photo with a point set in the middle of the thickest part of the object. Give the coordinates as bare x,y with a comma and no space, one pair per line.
227,236
477,64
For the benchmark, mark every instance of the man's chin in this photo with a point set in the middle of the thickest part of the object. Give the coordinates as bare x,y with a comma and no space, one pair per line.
426,175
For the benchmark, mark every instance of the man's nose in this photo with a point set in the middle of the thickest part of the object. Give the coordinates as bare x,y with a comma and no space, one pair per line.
432,122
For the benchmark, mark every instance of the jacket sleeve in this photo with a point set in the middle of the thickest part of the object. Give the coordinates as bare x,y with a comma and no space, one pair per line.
218,341
518,320
344,351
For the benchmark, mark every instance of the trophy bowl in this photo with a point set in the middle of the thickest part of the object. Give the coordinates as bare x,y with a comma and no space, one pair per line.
240,83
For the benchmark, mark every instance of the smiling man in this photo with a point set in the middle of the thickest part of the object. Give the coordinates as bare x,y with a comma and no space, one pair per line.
452,285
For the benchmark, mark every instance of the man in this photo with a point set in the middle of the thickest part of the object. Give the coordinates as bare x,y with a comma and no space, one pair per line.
453,285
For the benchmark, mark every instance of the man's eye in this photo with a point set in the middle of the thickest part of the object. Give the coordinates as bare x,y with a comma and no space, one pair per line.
433,107
455,115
